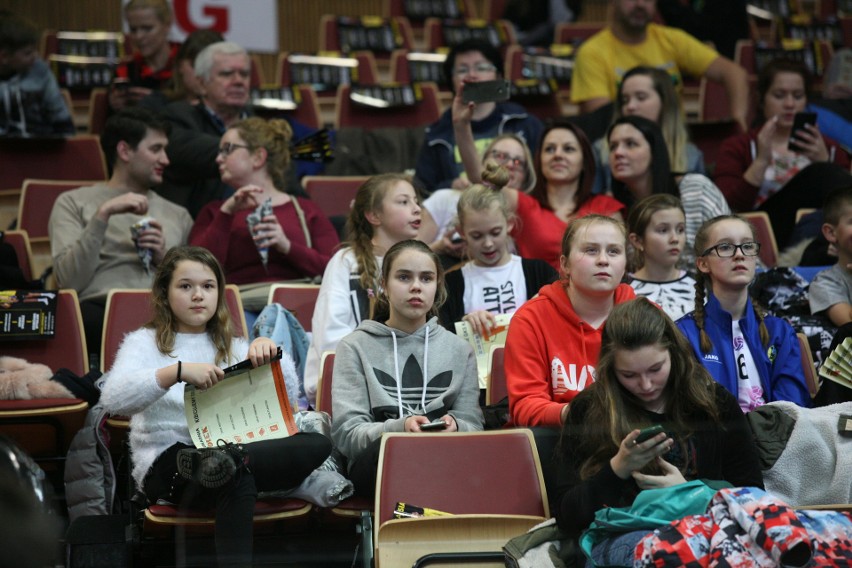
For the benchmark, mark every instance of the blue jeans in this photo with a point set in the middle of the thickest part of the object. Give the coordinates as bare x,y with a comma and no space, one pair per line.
616,550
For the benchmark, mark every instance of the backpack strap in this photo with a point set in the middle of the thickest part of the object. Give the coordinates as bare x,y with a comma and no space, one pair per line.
301,215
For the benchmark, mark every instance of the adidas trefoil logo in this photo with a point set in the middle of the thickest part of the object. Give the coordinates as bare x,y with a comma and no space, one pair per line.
412,385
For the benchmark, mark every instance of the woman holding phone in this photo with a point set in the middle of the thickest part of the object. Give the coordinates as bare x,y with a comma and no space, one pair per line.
151,65
653,418
780,166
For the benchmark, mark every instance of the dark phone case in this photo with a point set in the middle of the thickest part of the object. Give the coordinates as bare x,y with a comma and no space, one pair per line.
486,91
799,122
648,433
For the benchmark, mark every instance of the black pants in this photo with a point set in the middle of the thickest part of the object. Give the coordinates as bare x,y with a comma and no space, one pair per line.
364,469
273,464
807,189
93,312
546,441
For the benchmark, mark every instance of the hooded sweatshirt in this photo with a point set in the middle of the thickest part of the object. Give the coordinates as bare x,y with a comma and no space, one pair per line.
383,375
31,104
550,355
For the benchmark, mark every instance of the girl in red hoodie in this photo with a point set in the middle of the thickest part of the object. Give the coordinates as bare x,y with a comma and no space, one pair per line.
553,341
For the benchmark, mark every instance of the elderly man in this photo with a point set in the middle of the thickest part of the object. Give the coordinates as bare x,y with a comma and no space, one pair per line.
224,69
632,39
91,241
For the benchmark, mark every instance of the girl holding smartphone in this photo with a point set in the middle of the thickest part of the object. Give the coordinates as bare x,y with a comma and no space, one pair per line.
646,375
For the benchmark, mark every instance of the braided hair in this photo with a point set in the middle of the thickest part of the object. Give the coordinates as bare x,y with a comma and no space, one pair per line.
703,281
360,231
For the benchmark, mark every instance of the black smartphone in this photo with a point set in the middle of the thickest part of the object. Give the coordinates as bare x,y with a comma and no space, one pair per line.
436,425
799,122
486,91
647,433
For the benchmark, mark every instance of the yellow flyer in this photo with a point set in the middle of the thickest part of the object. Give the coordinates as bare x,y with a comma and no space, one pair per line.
248,405
482,345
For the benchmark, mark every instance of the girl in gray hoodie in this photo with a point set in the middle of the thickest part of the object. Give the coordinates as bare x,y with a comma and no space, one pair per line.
402,371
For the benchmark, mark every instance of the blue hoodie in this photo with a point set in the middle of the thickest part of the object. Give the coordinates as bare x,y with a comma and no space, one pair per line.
779,364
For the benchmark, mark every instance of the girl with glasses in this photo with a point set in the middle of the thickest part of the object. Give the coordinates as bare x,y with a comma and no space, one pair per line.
439,209
756,357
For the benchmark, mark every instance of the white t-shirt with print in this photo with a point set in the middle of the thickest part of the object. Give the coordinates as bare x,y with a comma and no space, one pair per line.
500,290
676,297
749,387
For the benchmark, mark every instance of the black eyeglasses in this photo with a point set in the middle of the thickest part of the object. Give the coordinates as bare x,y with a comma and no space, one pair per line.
727,250
228,148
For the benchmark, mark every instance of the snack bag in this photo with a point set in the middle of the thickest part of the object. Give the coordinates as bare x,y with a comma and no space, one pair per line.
253,219
145,255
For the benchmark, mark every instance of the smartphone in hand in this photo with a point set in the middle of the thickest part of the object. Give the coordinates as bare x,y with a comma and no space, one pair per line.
486,91
799,122
647,433
436,425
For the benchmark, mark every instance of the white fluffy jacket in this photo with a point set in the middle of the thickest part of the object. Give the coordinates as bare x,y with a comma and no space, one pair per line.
157,419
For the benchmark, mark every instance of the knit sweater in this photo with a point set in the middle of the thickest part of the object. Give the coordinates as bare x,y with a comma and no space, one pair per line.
157,419
383,375
92,256
228,237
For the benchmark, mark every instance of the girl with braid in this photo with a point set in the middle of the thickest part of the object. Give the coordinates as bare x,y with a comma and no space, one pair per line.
386,210
755,357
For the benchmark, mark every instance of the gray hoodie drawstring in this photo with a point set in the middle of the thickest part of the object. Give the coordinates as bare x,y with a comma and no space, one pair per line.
425,372
396,374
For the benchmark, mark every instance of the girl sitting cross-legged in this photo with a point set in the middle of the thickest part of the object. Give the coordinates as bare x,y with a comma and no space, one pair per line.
189,341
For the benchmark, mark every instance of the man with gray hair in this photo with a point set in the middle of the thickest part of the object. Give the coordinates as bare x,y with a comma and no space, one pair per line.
192,180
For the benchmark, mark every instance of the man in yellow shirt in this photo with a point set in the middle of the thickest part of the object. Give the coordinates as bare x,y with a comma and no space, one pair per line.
632,39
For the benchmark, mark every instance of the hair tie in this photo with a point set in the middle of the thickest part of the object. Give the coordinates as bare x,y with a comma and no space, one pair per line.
490,185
